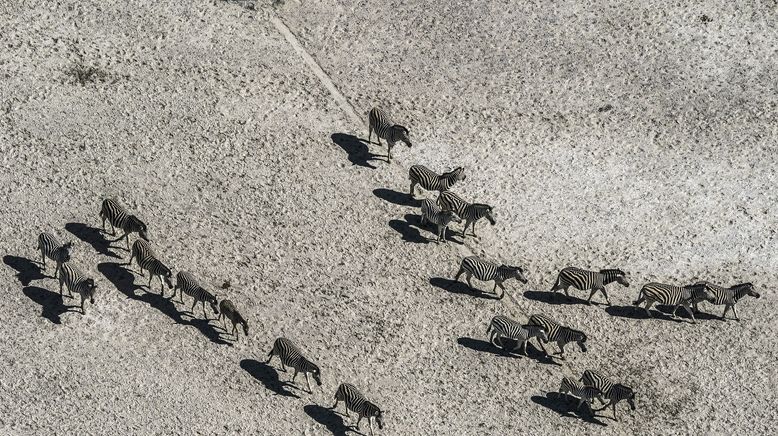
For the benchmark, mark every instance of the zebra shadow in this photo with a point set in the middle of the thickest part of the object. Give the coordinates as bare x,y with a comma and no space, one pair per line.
566,406
682,313
634,312
487,347
92,236
268,376
457,287
327,417
409,229
26,270
51,302
124,281
357,150
554,298
396,197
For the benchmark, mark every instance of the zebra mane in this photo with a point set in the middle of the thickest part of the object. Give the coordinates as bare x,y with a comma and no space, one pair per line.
403,128
452,173
613,271
481,206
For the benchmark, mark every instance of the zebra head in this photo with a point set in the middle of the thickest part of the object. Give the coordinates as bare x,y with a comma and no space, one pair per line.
449,216
376,413
63,252
315,372
458,174
624,392
402,134
515,271
536,331
141,226
212,301
615,275
91,289
487,212
746,289
245,326
166,276
701,292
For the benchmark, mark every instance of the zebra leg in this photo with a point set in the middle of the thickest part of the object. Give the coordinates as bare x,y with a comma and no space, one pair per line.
235,331
294,376
724,315
524,346
388,152
649,303
734,310
605,293
561,350
205,314
270,357
335,406
614,412
358,420
151,277
308,381
689,311
459,273
591,294
473,229
413,186
501,287
468,275
441,233
193,306
43,257
56,269
369,134
83,312
370,423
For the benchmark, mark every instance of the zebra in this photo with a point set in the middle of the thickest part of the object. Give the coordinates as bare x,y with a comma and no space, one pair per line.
470,212
441,218
674,295
589,280
504,327
51,248
384,128
77,281
485,271
188,285
118,216
290,355
578,389
558,333
355,401
227,310
729,296
614,392
431,181
147,259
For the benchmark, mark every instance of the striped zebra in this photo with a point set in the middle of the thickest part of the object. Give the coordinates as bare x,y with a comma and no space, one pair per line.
77,281
558,333
188,285
441,218
470,212
432,181
729,296
614,392
504,327
578,389
118,216
290,355
147,259
486,271
227,310
384,128
589,280
52,249
355,401
672,295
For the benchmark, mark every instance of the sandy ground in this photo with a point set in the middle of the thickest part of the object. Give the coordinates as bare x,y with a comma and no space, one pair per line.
606,134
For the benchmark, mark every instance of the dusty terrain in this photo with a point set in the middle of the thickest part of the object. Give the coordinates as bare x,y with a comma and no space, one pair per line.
638,135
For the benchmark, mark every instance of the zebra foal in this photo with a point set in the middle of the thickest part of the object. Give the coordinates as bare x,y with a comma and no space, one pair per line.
290,355
356,402
147,259
672,295
189,285
558,333
227,310
77,281
486,271
118,216
441,218
728,297
578,389
589,280
432,181
613,392
52,249
385,128
470,212
504,327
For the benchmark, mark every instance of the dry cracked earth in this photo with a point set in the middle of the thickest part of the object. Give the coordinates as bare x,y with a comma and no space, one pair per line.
633,134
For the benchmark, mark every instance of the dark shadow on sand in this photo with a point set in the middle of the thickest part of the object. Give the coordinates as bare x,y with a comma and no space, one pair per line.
357,150
395,197
554,298
457,287
565,406
482,346
51,302
26,269
266,375
329,418
92,236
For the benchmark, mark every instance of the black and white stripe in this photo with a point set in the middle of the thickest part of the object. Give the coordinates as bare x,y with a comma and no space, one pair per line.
485,271
470,212
227,310
504,327
386,129
558,333
728,297
432,181
118,216
578,389
290,355
441,218
672,295
356,402
52,249
188,285
77,281
147,259
613,392
589,280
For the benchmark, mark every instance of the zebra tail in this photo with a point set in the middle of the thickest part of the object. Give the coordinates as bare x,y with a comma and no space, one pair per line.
488,329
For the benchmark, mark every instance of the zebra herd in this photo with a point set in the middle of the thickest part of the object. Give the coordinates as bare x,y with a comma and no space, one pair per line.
451,208
447,208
